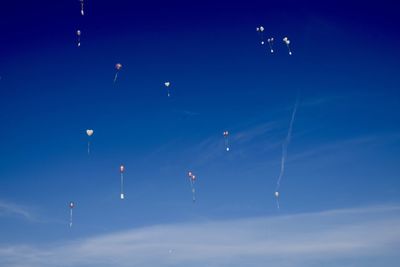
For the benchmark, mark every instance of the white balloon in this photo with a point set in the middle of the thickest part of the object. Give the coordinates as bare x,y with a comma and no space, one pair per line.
167,84
277,194
89,132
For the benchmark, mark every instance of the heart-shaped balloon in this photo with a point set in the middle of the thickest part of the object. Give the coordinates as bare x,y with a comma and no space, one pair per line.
89,132
167,84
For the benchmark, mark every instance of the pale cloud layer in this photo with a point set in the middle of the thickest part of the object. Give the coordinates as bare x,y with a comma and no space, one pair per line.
354,237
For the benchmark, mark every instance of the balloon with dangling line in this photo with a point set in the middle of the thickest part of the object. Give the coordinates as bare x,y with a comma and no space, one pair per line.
277,199
89,133
78,34
82,5
192,179
167,84
118,67
71,207
287,42
121,171
271,44
226,140
260,31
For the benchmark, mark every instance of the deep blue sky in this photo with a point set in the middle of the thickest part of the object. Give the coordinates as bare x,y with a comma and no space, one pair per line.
346,136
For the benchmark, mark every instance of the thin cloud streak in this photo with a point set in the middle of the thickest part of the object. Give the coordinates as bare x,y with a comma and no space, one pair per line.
293,240
13,210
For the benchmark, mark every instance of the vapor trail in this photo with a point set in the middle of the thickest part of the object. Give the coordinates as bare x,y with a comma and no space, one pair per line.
285,145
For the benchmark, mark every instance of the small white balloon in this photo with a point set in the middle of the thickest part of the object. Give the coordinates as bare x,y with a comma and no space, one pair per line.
89,132
276,194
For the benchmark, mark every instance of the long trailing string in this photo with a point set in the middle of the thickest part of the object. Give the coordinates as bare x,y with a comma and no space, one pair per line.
193,190
116,76
284,150
122,186
82,10
70,218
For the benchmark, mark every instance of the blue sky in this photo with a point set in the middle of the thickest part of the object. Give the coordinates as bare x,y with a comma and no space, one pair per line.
340,192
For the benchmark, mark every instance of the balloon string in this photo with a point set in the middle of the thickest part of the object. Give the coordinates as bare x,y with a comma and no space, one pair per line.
122,183
116,76
193,190
70,218
290,52
88,147
277,204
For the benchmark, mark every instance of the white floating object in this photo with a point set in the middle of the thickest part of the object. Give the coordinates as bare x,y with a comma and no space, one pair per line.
89,132
122,196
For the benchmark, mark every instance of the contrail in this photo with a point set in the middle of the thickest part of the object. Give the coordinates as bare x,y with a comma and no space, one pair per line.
286,144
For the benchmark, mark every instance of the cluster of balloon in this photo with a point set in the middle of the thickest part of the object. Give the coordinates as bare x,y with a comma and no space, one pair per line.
192,179
226,138
71,206
78,33
271,44
287,42
260,31
82,10
270,40
118,67
121,171
167,84
89,133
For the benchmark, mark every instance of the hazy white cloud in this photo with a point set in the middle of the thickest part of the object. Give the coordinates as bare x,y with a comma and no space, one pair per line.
353,237
8,209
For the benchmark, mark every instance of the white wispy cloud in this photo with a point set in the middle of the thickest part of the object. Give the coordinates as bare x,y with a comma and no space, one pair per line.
8,209
329,238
